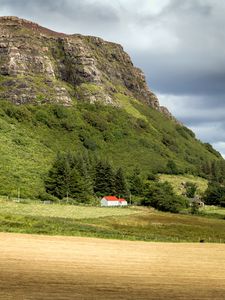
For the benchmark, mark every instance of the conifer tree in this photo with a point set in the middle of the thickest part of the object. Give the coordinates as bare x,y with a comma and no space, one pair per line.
77,188
104,182
136,183
69,177
120,184
58,180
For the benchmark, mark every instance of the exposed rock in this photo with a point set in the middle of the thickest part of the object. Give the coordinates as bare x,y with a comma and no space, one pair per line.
41,65
167,113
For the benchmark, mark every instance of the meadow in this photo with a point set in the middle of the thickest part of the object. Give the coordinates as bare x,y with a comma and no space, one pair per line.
39,209
132,223
177,180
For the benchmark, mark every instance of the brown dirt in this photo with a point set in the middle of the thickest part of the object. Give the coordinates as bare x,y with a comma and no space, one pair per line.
42,267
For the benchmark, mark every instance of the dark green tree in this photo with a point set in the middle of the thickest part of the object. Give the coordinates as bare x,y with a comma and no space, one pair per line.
171,167
136,183
120,184
104,182
214,194
58,181
78,187
161,196
69,177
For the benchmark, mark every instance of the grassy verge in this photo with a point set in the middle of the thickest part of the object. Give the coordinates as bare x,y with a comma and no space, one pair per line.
213,212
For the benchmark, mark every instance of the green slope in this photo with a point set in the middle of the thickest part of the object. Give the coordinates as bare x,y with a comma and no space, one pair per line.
136,135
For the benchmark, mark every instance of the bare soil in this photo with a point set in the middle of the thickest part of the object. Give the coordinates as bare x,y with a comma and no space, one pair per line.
43,267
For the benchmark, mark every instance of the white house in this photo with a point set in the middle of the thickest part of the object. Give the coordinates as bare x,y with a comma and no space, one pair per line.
113,201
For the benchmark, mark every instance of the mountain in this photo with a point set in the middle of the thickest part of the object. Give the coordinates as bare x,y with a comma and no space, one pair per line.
72,93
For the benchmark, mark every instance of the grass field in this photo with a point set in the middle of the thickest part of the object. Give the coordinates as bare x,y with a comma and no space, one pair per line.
213,211
61,211
177,180
135,223
42,267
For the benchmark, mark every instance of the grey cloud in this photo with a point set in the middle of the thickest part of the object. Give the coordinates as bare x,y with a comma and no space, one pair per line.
180,47
204,115
196,64
204,7
61,13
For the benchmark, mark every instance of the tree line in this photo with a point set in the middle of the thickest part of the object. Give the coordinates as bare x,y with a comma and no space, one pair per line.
81,178
214,171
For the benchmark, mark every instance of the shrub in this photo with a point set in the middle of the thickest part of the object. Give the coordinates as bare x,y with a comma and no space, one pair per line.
47,197
68,124
141,123
43,117
20,113
96,120
171,168
212,150
89,144
191,189
215,194
162,197
60,111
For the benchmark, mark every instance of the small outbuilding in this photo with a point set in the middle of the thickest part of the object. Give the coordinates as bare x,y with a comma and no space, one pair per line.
196,201
113,201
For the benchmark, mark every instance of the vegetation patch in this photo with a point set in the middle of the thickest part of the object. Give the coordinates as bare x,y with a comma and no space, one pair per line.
129,224
178,182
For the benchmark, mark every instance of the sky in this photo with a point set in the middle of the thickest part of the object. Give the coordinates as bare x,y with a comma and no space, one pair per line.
179,44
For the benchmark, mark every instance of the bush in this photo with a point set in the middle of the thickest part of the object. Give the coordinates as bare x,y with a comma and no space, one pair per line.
212,150
171,168
47,197
60,111
95,120
152,176
45,118
68,124
215,194
162,197
191,189
90,144
141,123
20,113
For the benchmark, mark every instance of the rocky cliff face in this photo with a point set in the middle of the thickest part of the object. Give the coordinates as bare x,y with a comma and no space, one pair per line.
38,65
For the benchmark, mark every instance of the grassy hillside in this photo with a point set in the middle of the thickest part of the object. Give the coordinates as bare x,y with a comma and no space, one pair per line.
31,136
118,223
177,182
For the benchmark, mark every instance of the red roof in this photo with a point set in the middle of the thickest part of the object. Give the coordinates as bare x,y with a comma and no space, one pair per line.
113,198
121,200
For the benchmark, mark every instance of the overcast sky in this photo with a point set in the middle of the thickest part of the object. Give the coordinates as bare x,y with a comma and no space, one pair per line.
180,45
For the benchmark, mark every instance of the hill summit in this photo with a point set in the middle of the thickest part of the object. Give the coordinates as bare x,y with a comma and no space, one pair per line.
96,70
61,93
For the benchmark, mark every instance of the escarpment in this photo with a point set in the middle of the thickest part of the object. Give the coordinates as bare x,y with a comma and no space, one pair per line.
38,65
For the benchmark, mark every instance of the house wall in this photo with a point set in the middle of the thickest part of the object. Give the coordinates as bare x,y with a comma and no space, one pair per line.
104,202
112,203
109,203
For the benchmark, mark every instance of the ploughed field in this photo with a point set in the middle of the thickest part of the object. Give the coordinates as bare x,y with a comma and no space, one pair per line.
50,267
